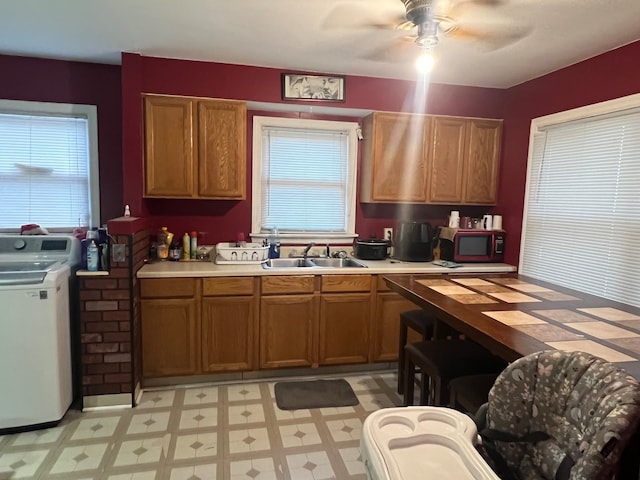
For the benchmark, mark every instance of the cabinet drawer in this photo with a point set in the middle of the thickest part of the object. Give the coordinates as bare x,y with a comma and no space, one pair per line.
227,286
167,287
346,283
276,285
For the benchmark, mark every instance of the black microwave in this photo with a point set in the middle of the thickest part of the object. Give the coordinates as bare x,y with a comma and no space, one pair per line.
473,245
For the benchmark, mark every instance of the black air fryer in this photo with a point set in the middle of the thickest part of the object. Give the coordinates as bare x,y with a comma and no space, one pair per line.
413,242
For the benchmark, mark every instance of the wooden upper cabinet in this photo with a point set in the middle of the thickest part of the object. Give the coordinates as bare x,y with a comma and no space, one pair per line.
464,159
169,148
394,167
482,161
446,158
195,148
222,149
411,158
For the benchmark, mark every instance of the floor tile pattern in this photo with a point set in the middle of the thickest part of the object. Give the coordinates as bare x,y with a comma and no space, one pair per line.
213,432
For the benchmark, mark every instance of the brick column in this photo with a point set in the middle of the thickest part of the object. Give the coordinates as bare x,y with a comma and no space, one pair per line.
110,319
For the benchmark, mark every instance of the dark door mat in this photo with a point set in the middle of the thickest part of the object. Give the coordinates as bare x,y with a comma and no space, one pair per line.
314,394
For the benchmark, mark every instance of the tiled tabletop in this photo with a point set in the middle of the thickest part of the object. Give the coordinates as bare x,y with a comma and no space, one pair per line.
515,315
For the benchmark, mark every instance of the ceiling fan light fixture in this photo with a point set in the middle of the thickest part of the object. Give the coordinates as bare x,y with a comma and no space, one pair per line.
427,34
425,61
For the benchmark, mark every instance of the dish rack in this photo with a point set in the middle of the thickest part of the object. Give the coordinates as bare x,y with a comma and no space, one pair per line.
250,254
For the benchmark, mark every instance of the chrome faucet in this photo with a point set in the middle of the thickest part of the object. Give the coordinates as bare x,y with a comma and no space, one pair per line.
307,248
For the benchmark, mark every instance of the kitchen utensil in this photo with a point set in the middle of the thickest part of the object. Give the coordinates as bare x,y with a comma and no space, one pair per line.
371,249
414,242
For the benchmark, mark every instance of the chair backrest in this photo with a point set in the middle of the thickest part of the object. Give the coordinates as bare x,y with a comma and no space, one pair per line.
588,408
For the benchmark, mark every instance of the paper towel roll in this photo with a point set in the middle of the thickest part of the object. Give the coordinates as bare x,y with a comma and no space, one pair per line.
454,219
497,222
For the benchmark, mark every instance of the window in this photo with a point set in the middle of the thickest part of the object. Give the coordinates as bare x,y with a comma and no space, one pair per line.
48,166
581,226
304,179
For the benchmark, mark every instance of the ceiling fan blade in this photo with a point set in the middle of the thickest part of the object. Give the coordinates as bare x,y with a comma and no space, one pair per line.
399,50
492,37
346,15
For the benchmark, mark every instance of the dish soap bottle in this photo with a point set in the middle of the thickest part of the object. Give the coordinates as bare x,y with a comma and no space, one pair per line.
274,244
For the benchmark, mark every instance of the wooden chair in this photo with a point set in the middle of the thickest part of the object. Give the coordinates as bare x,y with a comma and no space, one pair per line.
423,323
440,361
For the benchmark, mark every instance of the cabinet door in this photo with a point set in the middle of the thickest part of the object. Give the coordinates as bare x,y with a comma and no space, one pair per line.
389,306
483,161
228,330
169,148
395,164
287,329
169,337
446,159
344,328
222,149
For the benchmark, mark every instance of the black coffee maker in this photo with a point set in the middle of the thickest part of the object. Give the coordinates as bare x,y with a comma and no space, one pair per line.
413,242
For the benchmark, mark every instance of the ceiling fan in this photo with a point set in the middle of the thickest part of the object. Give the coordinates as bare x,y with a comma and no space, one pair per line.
425,21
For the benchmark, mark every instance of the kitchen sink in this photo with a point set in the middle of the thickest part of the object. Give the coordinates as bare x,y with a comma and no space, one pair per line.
337,262
288,263
322,262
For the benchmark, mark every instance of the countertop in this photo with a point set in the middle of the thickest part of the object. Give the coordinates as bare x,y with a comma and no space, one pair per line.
182,269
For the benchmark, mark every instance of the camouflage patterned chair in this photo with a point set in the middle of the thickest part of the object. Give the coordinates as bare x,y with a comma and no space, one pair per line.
562,415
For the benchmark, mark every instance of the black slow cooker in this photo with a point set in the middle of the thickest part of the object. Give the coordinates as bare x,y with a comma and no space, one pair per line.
371,249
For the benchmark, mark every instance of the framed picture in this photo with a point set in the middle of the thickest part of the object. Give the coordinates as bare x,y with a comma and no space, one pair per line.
325,88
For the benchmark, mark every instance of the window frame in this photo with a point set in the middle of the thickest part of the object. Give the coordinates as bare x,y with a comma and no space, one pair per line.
352,129
87,112
538,125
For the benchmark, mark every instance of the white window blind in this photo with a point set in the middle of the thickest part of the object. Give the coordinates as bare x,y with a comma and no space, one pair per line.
582,209
45,170
306,178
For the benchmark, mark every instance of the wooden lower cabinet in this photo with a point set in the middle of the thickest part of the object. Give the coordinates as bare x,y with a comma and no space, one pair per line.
196,326
288,321
170,337
170,326
228,330
386,325
344,328
229,324
345,315
287,330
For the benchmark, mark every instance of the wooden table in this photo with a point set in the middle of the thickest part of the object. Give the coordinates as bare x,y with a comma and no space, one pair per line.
513,315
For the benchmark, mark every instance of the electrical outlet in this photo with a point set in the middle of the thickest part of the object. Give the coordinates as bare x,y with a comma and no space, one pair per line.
388,234
118,252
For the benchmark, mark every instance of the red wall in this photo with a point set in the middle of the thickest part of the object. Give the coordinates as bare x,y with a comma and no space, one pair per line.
34,79
221,220
612,75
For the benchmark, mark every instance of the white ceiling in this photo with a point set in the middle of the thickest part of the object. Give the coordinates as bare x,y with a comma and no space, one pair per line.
325,36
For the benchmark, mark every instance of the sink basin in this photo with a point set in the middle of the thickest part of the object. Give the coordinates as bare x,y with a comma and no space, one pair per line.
312,262
288,263
337,262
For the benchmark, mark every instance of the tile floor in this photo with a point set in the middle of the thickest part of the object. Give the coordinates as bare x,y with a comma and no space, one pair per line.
218,432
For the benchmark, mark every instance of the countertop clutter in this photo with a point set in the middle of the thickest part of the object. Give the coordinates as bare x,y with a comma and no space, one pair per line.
168,269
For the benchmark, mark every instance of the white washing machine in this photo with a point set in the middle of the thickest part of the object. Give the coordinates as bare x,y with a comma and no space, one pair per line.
35,329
